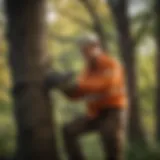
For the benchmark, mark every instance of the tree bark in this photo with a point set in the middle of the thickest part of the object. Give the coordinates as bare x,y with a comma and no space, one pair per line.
157,36
126,43
29,64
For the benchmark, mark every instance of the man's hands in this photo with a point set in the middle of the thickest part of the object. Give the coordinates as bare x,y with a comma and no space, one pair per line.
65,82
58,80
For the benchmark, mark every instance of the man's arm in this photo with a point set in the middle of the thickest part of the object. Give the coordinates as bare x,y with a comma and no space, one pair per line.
73,92
56,79
85,86
65,82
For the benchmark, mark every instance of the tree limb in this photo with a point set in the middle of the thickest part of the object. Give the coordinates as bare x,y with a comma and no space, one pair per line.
76,19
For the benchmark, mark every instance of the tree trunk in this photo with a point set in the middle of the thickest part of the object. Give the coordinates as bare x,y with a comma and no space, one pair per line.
157,36
28,61
136,132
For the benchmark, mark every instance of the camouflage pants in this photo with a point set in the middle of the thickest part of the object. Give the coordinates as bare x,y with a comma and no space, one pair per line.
111,126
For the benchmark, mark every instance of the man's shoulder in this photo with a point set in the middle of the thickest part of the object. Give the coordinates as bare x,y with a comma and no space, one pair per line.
108,60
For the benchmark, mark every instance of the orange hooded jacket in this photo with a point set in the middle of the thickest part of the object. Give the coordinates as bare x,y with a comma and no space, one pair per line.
104,86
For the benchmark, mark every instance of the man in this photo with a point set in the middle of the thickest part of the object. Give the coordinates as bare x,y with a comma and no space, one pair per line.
102,85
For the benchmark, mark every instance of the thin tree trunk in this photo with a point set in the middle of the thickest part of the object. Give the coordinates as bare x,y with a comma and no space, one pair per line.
157,36
127,50
28,61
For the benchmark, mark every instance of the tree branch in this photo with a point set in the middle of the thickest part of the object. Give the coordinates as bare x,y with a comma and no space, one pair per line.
76,19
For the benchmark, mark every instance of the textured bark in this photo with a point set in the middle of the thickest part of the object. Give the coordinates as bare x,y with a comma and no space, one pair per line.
29,64
126,43
157,36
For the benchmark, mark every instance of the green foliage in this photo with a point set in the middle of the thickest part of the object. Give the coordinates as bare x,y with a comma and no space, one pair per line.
141,153
7,130
147,85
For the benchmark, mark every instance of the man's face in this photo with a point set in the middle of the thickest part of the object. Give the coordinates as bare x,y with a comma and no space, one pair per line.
89,51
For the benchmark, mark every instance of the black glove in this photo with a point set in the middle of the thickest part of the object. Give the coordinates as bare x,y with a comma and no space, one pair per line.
55,79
